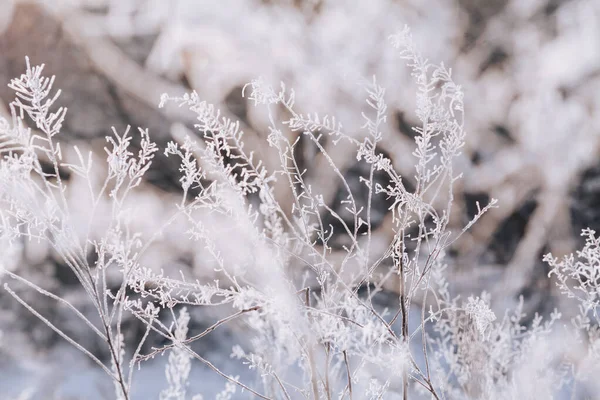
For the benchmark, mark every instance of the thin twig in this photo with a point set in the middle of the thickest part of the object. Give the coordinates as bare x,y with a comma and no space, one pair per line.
348,373
59,332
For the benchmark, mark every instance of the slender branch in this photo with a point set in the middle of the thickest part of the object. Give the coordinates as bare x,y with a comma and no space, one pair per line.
208,330
59,332
348,373
59,299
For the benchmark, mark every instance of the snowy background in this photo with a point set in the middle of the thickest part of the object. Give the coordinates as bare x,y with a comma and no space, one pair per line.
530,70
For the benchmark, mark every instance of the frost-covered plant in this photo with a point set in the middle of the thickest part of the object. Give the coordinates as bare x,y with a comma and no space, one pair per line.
316,331
35,206
303,305
578,277
179,365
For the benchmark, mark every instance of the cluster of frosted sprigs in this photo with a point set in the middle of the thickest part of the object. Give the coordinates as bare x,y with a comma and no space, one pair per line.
469,351
269,296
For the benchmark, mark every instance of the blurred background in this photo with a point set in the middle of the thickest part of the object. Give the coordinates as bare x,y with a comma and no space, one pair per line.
530,70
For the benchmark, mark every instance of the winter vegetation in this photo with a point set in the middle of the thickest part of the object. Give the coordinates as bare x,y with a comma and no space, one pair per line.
322,285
